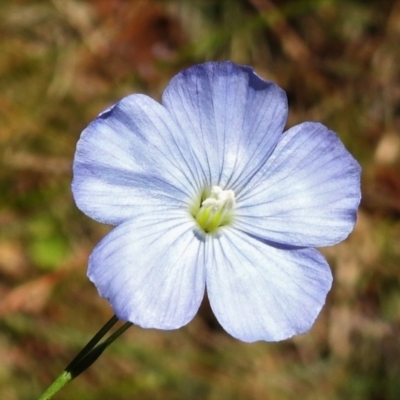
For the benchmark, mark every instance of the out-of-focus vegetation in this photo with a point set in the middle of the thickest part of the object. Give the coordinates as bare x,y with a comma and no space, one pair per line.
62,62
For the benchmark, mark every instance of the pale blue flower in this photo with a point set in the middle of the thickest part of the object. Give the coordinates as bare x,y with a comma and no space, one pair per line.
207,192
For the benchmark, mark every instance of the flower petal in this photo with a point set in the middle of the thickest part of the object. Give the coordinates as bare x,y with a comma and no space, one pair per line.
235,116
259,292
131,157
308,192
151,271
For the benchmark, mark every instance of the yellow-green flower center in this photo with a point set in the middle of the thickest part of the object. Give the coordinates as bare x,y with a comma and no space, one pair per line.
214,209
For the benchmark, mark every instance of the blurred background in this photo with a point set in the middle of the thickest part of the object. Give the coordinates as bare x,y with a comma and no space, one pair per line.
64,61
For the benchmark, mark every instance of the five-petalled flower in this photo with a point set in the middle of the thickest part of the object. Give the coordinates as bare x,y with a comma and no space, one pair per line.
206,192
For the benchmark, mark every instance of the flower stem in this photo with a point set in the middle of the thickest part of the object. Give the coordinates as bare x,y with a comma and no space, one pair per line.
86,357
93,342
84,362
61,381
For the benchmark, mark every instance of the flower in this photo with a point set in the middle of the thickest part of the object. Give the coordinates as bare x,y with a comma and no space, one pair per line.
207,192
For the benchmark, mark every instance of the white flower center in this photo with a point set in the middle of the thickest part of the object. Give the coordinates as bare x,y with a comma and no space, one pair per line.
215,210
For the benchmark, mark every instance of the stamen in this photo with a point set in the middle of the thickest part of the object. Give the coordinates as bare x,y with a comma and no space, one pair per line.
215,210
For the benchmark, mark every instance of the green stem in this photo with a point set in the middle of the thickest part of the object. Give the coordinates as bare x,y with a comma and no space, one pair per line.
86,357
92,342
61,381
89,358
118,333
